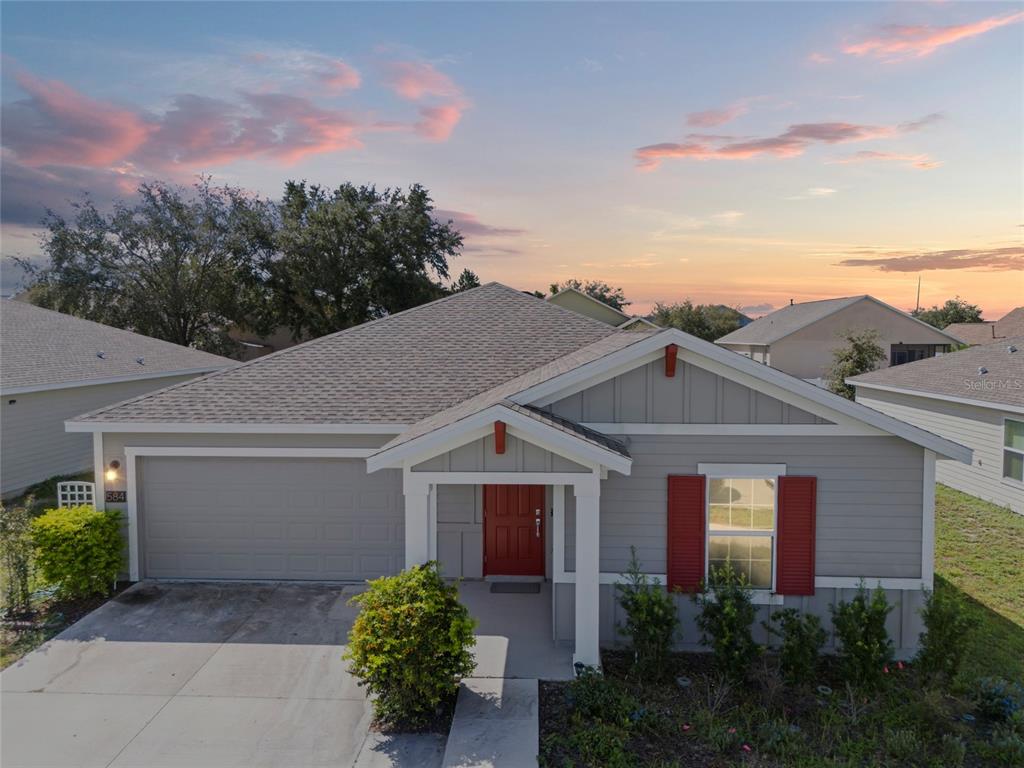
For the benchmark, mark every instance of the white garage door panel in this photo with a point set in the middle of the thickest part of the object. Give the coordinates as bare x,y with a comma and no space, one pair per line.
266,518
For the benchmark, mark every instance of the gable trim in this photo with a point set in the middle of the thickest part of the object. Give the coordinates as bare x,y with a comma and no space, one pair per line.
748,430
935,396
128,377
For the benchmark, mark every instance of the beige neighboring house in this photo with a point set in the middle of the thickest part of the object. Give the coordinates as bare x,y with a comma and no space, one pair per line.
974,397
55,366
583,304
1009,326
800,339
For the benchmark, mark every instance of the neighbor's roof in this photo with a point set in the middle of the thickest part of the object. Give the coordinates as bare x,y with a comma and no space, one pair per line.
396,370
958,376
1008,326
788,320
42,349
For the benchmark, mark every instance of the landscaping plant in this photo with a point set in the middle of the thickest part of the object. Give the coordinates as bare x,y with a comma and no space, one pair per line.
802,638
726,614
410,645
79,550
865,649
15,559
944,641
651,620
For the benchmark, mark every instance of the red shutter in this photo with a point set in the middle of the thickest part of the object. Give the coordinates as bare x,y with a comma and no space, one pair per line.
794,568
685,531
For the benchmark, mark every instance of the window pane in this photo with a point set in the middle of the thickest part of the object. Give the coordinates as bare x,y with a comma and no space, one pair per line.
720,491
1015,435
742,504
764,518
764,492
719,516
1013,465
749,555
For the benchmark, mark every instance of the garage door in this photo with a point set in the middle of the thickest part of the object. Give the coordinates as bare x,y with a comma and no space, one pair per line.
256,518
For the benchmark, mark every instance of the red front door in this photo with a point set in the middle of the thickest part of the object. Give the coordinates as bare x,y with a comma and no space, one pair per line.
514,530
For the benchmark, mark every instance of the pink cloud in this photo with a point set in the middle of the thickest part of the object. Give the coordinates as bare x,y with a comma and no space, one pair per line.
713,117
791,143
921,161
819,58
57,124
418,81
470,224
437,123
896,42
339,76
996,259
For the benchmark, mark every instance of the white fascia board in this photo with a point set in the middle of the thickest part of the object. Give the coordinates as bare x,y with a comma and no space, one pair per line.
241,429
477,425
248,452
744,430
109,380
933,396
738,367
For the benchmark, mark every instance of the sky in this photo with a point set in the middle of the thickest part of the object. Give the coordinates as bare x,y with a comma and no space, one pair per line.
737,153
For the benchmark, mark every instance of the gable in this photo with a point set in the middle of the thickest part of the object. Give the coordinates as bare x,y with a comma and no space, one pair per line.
645,395
588,306
892,326
480,456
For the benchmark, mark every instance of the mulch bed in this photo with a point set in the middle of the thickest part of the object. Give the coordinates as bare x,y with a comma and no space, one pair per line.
441,723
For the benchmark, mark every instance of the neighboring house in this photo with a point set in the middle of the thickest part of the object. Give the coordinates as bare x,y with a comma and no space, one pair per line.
55,366
800,339
1009,326
508,437
974,397
587,305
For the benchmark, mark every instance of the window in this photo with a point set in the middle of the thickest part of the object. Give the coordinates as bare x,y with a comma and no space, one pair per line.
741,526
1013,450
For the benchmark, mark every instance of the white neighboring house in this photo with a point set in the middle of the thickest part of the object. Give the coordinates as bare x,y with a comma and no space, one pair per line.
800,339
55,366
974,397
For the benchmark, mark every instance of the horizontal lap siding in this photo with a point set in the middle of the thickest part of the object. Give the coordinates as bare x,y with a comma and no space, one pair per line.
869,498
980,429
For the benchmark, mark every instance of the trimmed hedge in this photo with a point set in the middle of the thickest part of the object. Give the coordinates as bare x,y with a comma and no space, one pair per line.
79,550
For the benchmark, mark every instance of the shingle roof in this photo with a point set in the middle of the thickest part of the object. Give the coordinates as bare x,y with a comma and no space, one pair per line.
783,322
957,374
399,369
571,427
1008,326
40,349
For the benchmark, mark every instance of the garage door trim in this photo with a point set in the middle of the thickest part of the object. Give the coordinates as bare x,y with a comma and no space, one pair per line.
133,452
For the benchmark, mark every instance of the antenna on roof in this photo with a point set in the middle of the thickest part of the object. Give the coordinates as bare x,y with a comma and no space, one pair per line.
791,302
917,304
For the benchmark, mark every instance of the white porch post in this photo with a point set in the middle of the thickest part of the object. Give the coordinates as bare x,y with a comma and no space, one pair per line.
588,538
417,520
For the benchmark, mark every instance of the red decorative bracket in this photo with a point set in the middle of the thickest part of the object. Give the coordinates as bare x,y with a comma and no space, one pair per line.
670,360
499,437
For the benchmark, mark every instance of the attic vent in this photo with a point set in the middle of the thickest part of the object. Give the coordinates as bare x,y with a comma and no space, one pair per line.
101,355
1011,349
140,360
982,370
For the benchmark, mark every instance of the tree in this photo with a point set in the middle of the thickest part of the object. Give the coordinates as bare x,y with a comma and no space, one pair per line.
179,265
355,254
705,321
596,289
860,354
953,311
468,279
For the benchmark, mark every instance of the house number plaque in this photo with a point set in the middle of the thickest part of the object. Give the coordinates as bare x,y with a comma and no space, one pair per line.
116,497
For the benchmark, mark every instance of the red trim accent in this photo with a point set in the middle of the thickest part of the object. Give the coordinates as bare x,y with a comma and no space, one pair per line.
794,567
685,531
671,352
499,437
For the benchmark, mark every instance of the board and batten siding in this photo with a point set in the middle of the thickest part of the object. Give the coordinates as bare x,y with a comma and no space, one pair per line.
645,395
479,456
978,428
33,443
870,498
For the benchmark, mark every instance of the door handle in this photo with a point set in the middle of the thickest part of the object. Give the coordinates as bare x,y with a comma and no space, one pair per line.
537,526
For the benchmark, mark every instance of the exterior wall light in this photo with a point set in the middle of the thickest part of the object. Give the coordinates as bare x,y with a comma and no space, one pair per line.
111,474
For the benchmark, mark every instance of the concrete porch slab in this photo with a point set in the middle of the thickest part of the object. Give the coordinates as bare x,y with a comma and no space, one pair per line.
495,725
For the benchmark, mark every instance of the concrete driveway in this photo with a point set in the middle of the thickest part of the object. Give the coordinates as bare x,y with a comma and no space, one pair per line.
199,675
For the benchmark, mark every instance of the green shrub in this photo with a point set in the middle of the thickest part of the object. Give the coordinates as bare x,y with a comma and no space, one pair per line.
997,698
600,745
903,745
597,698
802,639
1005,748
78,549
651,620
15,559
945,639
865,645
952,751
410,644
726,615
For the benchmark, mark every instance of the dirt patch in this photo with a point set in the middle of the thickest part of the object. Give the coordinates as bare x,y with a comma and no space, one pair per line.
147,593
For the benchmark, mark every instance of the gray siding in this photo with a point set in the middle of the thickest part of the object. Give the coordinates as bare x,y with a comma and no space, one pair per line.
869,498
33,443
903,624
645,395
980,429
479,456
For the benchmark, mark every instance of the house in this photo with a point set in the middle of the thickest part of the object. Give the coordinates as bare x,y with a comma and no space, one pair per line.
800,339
974,397
508,437
55,366
585,304
1009,326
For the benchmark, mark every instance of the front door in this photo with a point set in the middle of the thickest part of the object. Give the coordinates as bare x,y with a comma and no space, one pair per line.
514,530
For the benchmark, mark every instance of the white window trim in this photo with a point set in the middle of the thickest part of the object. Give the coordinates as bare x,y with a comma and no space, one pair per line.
1011,481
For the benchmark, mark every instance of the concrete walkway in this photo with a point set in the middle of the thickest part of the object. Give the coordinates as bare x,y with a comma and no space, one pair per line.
495,725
